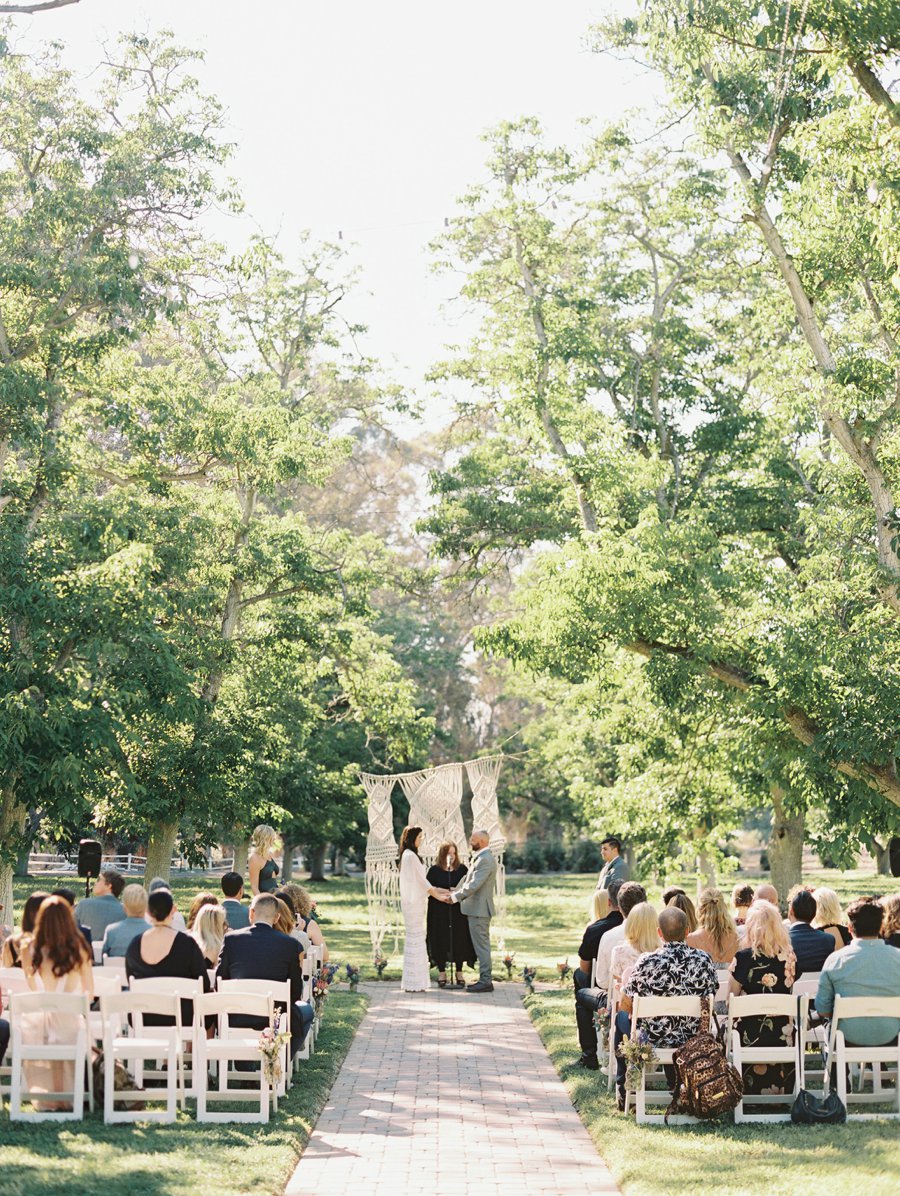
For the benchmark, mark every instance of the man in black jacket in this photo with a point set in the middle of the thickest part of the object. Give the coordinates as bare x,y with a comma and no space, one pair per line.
260,952
812,947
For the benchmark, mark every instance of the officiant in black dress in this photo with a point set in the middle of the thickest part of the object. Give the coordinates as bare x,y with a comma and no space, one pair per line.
448,937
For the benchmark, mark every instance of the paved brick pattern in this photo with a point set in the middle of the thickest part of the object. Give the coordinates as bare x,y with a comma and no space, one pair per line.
448,1093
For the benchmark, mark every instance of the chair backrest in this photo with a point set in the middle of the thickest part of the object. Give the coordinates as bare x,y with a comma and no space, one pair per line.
228,1004
766,1005
315,955
107,982
724,989
97,949
845,1007
114,963
115,1006
71,1004
177,986
12,980
280,989
808,983
665,1007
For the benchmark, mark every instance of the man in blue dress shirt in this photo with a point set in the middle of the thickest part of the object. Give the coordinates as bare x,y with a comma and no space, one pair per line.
869,967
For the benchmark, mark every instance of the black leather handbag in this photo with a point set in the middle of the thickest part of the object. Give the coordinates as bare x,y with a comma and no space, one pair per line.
809,1109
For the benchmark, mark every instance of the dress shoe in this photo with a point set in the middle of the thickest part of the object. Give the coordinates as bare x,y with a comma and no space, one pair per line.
478,987
591,1062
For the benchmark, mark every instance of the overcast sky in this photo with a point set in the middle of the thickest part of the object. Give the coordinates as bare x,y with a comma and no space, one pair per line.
365,118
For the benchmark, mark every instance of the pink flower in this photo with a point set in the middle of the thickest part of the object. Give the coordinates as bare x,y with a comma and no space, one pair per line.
769,980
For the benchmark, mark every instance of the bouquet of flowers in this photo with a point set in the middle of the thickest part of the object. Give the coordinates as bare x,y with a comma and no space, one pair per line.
352,976
329,970
601,1022
271,1041
564,970
528,975
638,1054
380,964
319,992
508,960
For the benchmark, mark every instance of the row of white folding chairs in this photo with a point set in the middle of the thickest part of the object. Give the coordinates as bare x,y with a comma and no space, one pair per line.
145,1044
796,1009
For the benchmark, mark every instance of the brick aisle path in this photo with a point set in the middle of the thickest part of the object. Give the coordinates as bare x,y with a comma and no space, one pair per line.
448,1093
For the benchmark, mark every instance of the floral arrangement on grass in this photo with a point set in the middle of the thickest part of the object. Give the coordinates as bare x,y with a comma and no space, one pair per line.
508,960
528,975
319,993
602,1023
638,1053
271,1041
564,970
352,976
381,963
329,971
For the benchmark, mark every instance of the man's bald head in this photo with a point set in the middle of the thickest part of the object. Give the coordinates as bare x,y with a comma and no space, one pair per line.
766,893
673,924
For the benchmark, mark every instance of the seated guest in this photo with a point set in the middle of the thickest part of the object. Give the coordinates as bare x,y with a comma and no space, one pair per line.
599,904
766,964
260,952
670,892
673,970
741,900
830,918
236,912
306,921
587,998
164,951
209,932
70,897
766,892
683,902
118,936
630,895
287,921
716,933
614,865
4,1037
197,905
890,927
16,943
869,967
158,884
104,907
812,947
640,937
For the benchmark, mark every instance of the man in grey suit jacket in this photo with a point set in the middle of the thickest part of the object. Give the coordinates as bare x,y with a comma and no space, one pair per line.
475,897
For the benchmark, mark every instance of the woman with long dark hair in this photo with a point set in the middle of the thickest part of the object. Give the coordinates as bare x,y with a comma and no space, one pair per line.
16,943
56,960
414,893
448,927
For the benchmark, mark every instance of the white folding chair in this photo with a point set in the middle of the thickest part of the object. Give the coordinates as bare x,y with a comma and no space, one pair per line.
766,1005
191,1031
12,980
37,1007
115,963
840,1053
650,1007
613,1004
233,1044
105,984
144,1043
280,991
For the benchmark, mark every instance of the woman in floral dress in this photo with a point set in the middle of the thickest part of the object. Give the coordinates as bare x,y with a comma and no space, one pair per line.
766,965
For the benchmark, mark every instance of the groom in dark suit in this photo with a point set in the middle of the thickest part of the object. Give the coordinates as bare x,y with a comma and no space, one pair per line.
475,897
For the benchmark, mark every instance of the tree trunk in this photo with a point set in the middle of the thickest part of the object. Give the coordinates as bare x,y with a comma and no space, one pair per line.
12,821
287,864
160,846
785,846
882,856
241,855
337,863
706,871
32,822
316,859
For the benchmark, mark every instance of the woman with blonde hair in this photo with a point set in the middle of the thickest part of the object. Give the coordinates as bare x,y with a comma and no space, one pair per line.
890,927
767,964
599,904
303,907
208,931
264,842
716,933
197,904
830,917
640,937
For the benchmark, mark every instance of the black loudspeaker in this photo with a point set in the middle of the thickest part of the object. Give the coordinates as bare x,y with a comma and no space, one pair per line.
90,854
894,849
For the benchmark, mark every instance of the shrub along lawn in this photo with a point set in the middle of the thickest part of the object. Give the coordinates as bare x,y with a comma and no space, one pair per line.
719,1159
181,1159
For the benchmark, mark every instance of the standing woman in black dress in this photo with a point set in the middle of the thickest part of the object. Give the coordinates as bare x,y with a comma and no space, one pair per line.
448,935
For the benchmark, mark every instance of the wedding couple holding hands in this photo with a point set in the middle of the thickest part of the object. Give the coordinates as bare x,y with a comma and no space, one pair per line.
474,896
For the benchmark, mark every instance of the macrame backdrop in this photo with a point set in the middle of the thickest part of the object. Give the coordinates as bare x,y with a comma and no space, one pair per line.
435,804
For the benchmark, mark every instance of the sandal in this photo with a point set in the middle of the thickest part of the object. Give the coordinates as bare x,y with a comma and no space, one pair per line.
442,983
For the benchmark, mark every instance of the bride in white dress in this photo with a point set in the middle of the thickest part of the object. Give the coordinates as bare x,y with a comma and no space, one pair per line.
414,893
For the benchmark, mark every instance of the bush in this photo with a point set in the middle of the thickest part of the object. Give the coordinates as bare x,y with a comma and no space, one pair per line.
555,855
533,857
513,857
585,856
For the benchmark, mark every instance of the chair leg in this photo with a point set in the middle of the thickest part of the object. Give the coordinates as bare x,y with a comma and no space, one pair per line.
109,1073
841,1074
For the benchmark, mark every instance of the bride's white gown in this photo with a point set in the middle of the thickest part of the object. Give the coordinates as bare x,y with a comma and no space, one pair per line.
414,888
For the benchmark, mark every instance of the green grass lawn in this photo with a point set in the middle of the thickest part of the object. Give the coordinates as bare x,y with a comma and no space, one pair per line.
718,1159
183,1158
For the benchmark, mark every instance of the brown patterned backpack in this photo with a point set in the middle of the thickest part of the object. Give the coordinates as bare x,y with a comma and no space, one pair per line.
706,1084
